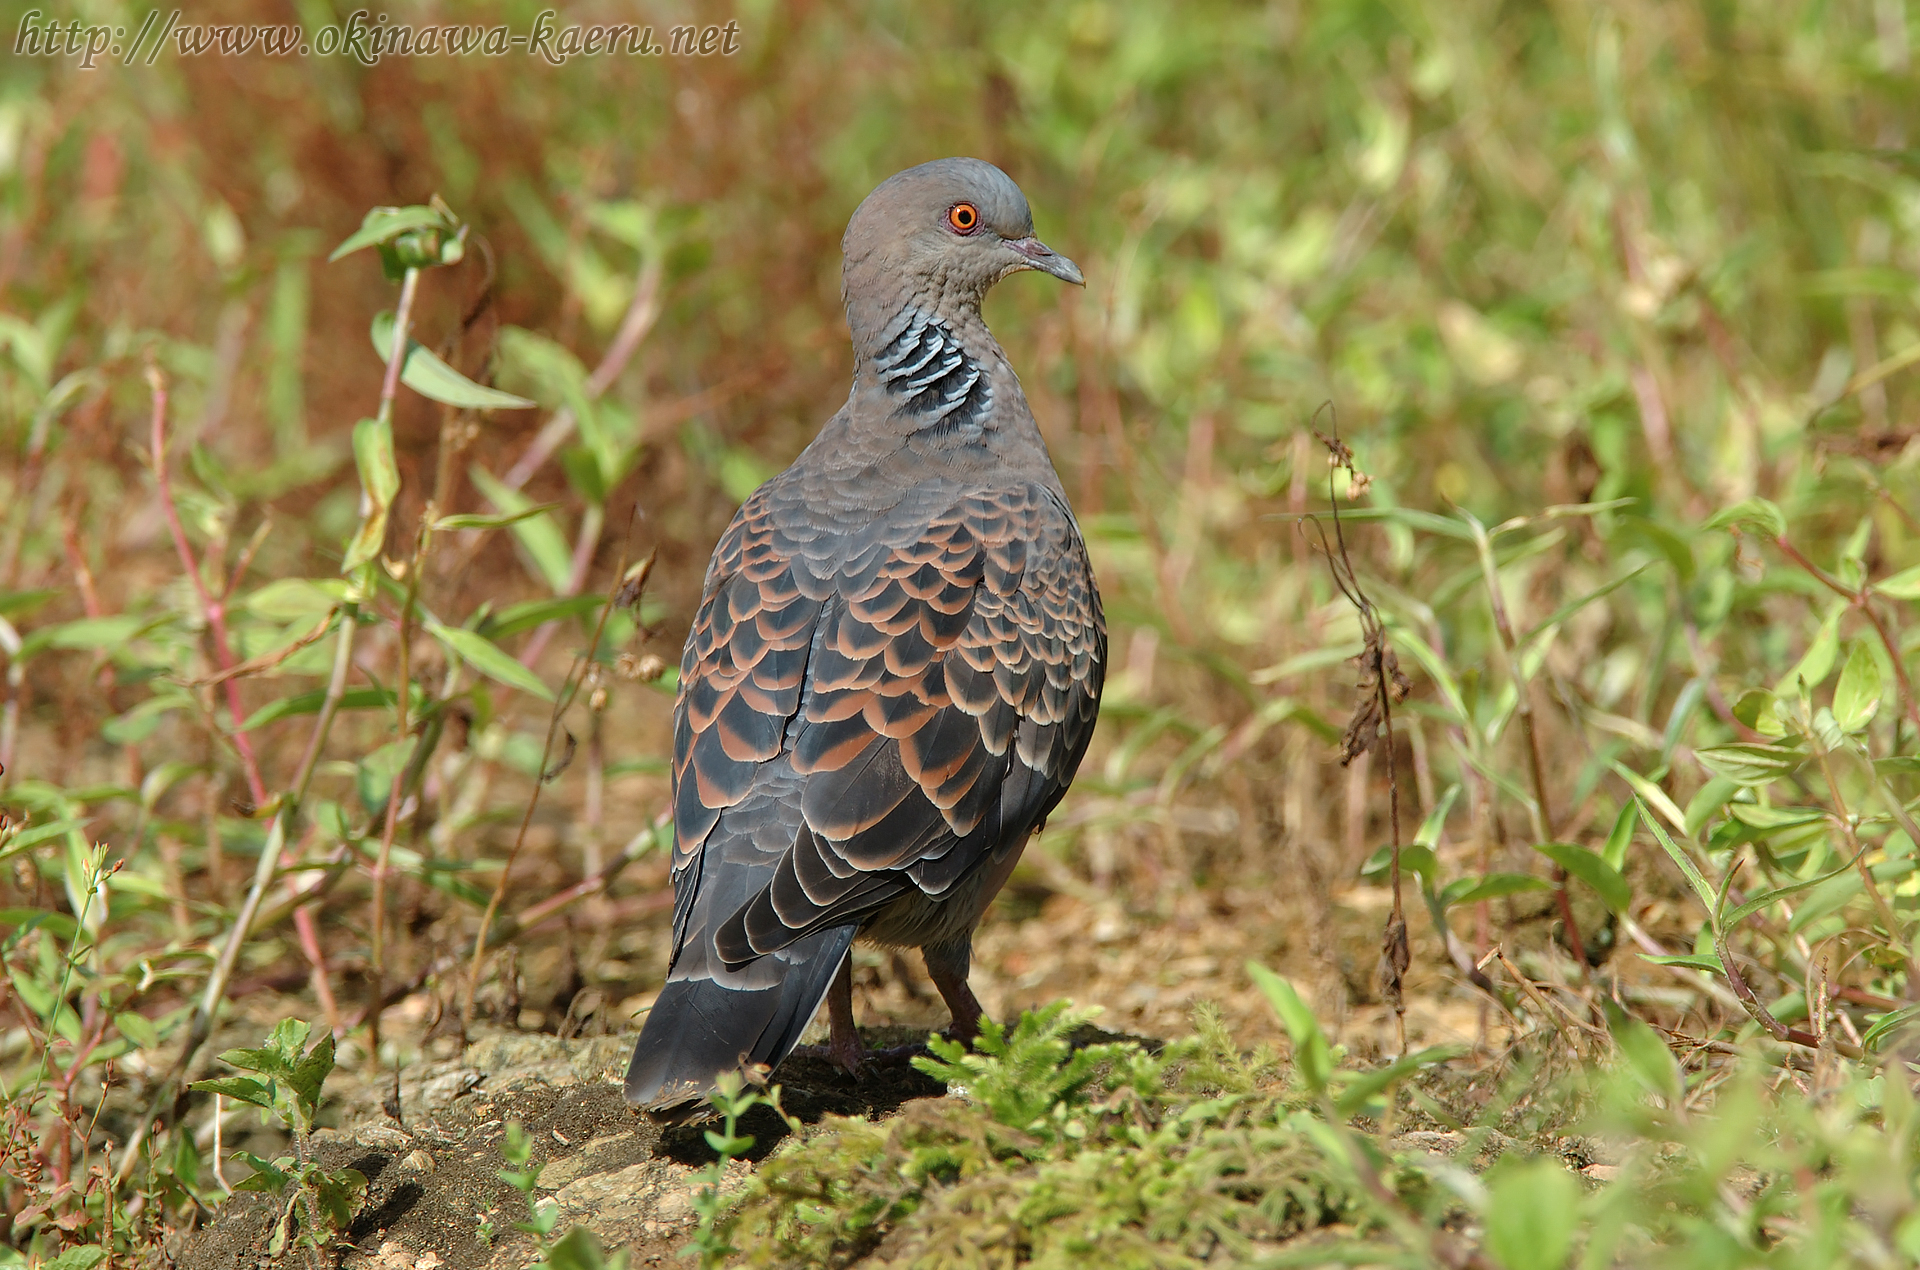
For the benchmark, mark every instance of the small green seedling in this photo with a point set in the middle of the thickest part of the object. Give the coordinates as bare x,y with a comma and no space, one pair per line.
579,1248
732,1100
286,1085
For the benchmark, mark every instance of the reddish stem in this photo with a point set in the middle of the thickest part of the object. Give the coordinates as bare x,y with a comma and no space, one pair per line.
322,984
215,610
1859,599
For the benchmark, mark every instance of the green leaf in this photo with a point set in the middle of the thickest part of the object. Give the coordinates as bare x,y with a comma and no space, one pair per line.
743,471
578,1249
1490,887
1652,795
1312,1057
1887,1025
375,772
1312,659
1836,890
1694,961
1417,860
1759,710
1573,606
14,604
517,1150
270,1178
1709,799
1591,869
1904,585
1648,1057
1683,860
27,920
287,1040
1412,518
486,657
138,1028
1857,695
290,599
1758,902
1755,515
538,535
338,1193
730,1147
516,618
1355,1095
1752,765
495,520
427,375
379,482
583,473
1620,837
239,1088
1817,662
1758,817
384,224
310,703
311,1072
138,723
1533,1210
99,634
1436,820
82,1258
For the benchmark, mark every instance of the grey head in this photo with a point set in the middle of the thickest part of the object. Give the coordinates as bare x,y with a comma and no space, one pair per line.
937,237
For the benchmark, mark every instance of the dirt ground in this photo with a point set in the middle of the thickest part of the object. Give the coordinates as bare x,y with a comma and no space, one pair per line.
434,1172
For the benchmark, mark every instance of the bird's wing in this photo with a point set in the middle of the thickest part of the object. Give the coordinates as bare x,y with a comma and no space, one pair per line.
931,679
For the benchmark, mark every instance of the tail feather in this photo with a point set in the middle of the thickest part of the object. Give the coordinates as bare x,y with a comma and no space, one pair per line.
700,1027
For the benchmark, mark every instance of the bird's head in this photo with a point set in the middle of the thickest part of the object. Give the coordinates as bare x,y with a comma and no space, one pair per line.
944,233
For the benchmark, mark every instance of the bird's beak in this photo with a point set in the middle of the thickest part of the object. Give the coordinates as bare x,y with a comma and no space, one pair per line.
1042,257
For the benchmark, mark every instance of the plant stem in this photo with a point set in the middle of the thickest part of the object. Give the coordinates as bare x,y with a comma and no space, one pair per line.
642,313
201,1025
575,677
1536,766
215,610
1860,598
1880,903
389,388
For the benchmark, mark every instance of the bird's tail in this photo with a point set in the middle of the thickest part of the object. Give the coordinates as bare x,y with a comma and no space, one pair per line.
704,1025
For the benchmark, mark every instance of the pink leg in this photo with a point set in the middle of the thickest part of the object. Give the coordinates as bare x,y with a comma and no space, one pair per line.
947,966
843,1039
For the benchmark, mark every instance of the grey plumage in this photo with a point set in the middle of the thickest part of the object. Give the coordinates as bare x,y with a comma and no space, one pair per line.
896,663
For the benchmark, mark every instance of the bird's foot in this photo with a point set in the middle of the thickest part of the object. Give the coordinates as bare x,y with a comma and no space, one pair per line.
848,1054
851,1059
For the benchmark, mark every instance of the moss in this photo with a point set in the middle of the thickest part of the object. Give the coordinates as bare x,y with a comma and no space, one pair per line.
1054,1155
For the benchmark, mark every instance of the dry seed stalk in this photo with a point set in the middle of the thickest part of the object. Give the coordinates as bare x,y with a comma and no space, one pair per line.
1382,685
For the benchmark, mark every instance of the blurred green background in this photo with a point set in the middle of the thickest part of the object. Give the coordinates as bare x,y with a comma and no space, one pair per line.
1522,254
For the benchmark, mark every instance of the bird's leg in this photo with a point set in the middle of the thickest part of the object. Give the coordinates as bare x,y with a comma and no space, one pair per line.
843,1039
947,966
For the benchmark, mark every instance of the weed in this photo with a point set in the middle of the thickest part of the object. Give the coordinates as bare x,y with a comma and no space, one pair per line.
731,1099
577,1248
285,1085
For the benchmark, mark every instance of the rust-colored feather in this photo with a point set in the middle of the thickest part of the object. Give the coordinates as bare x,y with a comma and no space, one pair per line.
953,666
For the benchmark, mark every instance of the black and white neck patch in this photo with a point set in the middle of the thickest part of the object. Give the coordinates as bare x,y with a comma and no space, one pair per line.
935,379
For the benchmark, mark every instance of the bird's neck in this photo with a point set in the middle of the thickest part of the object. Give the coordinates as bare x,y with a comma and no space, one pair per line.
940,370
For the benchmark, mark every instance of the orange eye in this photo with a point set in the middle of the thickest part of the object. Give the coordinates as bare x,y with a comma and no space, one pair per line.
964,217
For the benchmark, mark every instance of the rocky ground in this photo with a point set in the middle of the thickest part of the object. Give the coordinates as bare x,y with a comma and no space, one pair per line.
434,1172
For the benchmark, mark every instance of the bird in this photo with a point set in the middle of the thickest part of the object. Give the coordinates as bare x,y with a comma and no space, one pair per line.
895,667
